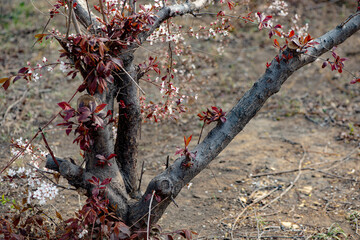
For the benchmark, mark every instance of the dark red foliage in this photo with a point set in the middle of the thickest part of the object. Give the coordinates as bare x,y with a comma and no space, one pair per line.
337,64
96,220
102,160
89,119
189,156
216,114
263,20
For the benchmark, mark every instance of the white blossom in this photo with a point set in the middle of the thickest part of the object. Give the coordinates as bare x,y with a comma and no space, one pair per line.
44,192
36,77
63,67
11,173
20,171
82,234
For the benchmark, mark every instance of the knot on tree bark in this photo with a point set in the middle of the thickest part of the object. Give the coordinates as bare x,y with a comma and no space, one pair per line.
164,186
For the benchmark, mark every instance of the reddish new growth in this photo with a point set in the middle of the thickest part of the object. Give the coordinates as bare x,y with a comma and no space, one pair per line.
90,118
95,220
104,160
189,156
293,43
263,21
337,64
299,43
216,114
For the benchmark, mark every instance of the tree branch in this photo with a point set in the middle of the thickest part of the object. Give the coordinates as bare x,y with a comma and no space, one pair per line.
78,177
169,183
128,129
85,16
172,11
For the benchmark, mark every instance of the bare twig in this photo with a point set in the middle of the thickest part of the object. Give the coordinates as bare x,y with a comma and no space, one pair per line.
43,212
88,9
141,175
103,12
123,7
291,185
136,84
48,147
201,131
333,165
13,105
167,162
132,4
280,172
69,18
36,134
42,172
149,215
75,22
246,208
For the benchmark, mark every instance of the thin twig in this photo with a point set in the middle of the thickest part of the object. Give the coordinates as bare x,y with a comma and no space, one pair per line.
201,131
36,134
247,207
137,85
43,212
313,169
123,7
88,9
103,12
48,147
69,18
42,172
149,215
141,174
75,21
291,185
280,172
13,105
167,162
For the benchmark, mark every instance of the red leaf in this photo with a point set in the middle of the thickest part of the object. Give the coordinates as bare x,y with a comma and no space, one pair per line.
230,4
6,82
355,80
276,43
187,141
180,150
291,34
82,87
68,130
101,157
100,107
64,105
111,156
106,181
23,70
157,198
85,113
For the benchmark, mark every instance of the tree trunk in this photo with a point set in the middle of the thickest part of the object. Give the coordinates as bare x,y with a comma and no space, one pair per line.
168,184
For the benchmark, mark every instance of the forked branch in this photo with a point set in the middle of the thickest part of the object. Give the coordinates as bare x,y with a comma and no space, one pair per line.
169,183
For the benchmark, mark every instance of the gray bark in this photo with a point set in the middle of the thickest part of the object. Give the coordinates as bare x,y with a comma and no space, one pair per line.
168,184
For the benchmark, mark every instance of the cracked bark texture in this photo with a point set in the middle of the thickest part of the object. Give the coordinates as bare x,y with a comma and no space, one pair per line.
122,190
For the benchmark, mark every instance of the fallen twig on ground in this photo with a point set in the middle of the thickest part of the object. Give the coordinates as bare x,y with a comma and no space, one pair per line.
247,207
291,185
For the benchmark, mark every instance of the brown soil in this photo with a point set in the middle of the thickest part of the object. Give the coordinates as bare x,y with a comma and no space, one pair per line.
311,125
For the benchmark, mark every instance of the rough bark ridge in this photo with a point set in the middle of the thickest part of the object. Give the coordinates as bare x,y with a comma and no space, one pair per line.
122,190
